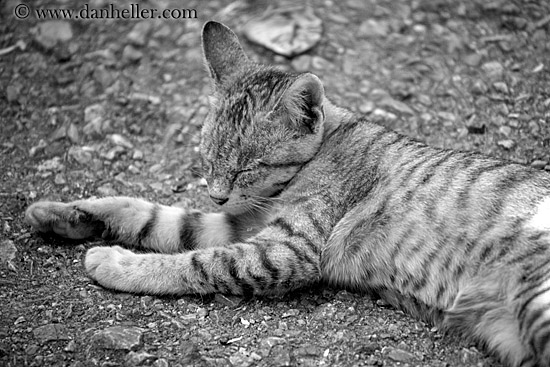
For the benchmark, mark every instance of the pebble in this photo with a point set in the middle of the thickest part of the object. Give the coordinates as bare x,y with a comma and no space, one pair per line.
281,354
366,107
71,347
506,144
505,130
479,87
13,91
373,28
493,69
161,362
229,301
51,332
286,33
396,105
138,358
82,155
120,140
301,63
131,54
60,179
320,63
501,87
103,76
94,118
106,190
118,338
539,164
473,59
138,34
53,165
49,33
189,354
399,355
243,358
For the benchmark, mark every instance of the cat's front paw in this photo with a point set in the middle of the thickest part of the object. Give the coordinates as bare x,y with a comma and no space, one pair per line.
63,219
111,267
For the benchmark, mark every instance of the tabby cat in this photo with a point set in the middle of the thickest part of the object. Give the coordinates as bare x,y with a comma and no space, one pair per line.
311,192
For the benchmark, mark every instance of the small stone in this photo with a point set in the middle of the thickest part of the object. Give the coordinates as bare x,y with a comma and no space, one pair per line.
366,107
320,63
49,33
82,155
120,140
189,354
396,105
103,76
479,87
60,179
137,155
138,34
473,59
229,301
501,87
32,349
51,332
131,54
113,153
53,165
281,354
13,91
118,338
373,28
138,358
161,362
505,130
384,115
241,358
286,33
7,255
507,144
539,164
272,341
493,69
106,190
399,355
301,63
94,118
291,312
72,133
71,347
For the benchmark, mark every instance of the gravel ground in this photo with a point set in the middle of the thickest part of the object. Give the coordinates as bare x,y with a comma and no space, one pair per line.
114,107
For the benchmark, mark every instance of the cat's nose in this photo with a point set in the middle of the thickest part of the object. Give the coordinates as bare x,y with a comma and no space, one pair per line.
219,201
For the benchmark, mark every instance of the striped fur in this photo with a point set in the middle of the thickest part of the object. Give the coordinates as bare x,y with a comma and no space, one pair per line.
310,192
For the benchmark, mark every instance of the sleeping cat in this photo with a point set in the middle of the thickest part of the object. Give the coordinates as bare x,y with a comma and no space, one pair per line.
311,192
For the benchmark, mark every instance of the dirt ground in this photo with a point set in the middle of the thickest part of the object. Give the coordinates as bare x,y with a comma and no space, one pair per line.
114,107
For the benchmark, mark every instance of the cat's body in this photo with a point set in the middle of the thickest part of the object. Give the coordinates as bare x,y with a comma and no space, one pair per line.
312,192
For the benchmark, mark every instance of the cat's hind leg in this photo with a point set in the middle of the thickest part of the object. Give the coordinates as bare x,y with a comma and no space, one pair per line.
485,311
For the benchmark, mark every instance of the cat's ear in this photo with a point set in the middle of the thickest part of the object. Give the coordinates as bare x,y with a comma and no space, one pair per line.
302,104
223,53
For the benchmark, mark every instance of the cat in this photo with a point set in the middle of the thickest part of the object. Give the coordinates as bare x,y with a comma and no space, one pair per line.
311,192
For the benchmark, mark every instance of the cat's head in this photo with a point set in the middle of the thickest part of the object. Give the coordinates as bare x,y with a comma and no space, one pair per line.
263,125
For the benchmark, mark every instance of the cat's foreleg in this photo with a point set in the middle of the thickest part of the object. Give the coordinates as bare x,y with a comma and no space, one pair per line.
255,267
135,222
